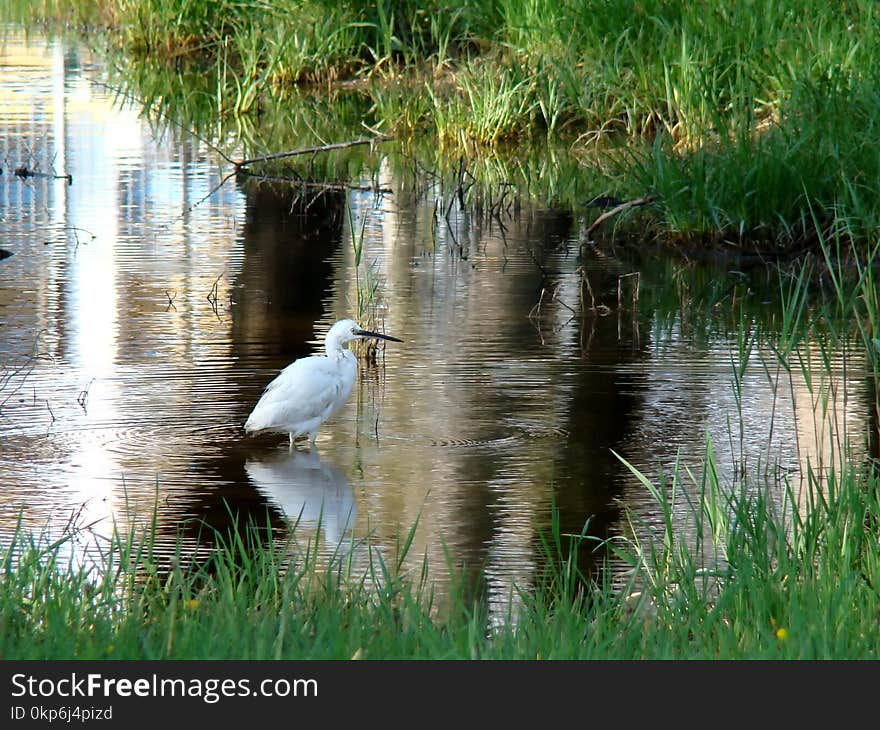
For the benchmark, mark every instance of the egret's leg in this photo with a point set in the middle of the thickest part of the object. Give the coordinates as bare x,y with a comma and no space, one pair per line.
291,439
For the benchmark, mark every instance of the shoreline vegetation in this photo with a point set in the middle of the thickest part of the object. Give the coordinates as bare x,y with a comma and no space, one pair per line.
748,126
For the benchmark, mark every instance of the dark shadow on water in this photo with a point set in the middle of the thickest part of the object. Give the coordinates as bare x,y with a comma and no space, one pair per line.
288,238
264,494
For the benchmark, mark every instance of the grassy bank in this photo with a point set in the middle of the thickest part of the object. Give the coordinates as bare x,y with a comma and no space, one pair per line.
741,117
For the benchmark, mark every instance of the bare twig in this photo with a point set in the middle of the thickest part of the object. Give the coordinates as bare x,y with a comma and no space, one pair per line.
52,415
76,231
23,172
635,293
309,150
536,310
557,299
599,309
214,295
294,178
211,191
6,378
616,211
83,396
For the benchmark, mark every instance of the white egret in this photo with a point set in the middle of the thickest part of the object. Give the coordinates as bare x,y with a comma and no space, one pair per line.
310,390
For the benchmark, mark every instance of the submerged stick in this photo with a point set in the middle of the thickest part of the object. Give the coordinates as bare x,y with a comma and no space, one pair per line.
615,211
317,184
310,150
23,172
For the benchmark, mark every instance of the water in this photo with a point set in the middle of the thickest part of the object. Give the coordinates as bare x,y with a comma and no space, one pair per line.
144,309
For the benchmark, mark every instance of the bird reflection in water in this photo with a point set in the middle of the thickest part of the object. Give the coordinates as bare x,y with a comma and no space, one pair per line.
309,491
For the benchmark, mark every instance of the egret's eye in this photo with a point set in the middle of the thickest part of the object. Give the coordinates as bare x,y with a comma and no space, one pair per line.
354,331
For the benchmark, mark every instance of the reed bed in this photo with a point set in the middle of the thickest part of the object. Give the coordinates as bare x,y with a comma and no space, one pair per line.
744,120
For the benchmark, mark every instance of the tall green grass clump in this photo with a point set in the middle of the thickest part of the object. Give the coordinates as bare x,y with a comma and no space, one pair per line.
253,598
771,573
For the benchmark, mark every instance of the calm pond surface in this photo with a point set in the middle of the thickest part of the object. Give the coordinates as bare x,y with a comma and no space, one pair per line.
143,310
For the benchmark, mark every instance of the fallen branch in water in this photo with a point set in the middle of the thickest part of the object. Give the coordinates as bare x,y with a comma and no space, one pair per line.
309,151
23,172
296,180
615,211
241,166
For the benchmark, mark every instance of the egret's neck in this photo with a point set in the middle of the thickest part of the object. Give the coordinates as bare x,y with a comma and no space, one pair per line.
334,349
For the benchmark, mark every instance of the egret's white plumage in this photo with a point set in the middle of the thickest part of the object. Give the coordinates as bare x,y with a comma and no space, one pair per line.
310,390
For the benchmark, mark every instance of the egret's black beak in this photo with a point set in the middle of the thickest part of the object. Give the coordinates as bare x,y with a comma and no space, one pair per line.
377,335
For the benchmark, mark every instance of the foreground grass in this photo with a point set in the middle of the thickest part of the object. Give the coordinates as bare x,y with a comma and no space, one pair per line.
804,587
743,119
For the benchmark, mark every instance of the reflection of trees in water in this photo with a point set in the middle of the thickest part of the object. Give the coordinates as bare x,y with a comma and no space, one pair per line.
288,242
257,492
260,496
603,409
287,272
228,511
501,377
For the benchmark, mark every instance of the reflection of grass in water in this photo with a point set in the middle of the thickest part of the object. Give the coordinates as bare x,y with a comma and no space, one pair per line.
194,99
